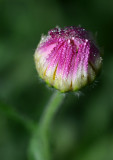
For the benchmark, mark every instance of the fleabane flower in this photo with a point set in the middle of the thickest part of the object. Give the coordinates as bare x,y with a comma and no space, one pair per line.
68,59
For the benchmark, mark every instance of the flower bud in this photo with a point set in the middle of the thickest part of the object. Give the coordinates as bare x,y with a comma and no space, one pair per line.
68,59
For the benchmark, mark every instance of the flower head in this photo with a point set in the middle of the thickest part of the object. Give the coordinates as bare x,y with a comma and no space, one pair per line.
68,58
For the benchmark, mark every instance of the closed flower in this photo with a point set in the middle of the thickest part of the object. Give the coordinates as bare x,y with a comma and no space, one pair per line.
68,59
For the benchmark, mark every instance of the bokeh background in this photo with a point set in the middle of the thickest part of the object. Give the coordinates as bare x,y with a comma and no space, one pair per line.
83,127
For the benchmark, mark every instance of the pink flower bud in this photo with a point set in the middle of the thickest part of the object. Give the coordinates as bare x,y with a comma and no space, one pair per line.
68,58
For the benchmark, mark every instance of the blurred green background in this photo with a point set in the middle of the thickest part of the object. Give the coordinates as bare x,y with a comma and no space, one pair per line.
83,126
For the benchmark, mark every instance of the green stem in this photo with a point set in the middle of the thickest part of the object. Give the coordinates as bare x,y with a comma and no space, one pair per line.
39,148
50,110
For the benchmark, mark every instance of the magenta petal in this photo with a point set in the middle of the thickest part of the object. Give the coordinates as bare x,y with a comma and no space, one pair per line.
68,58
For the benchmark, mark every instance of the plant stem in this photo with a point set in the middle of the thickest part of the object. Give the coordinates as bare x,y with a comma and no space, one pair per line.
39,144
50,110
